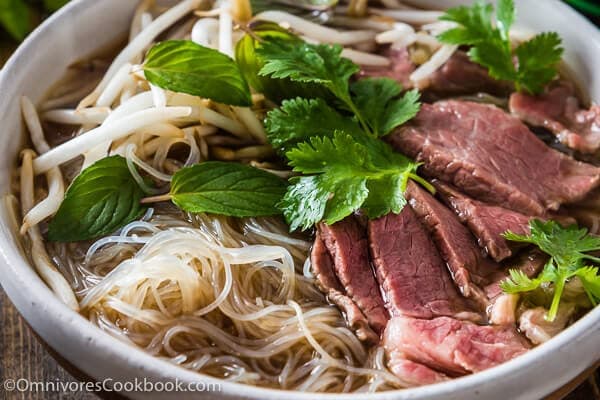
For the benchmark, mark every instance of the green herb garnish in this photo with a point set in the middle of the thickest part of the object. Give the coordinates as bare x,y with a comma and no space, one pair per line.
227,188
307,63
102,199
379,102
568,249
106,197
186,67
250,63
345,175
536,59
346,166
300,119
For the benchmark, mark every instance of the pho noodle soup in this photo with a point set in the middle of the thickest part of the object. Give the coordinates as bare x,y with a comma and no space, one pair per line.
343,197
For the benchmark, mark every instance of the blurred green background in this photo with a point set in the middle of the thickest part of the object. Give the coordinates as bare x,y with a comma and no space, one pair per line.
19,17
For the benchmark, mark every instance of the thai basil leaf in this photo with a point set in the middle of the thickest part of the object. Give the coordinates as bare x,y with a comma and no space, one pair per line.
227,188
102,199
186,67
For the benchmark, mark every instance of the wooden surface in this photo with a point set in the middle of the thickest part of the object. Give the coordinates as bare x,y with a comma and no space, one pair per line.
23,357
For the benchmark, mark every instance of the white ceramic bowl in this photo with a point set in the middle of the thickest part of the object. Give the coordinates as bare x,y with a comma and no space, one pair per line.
88,24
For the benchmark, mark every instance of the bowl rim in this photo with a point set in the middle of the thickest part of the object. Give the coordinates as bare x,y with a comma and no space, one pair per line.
20,275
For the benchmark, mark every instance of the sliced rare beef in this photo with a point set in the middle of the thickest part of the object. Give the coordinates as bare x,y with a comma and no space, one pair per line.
412,373
470,269
400,68
328,283
459,75
347,244
487,222
410,270
558,110
493,157
451,346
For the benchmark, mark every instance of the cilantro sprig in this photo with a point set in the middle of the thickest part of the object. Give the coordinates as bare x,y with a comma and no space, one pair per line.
345,174
568,249
336,147
324,65
488,34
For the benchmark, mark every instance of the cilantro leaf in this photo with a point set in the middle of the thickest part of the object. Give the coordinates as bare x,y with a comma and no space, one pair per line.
298,119
347,174
505,17
537,59
386,195
303,205
379,103
591,282
519,282
308,63
474,24
567,248
496,58
251,63
346,166
303,62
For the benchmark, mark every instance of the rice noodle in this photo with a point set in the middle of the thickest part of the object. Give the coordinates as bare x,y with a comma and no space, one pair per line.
171,294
